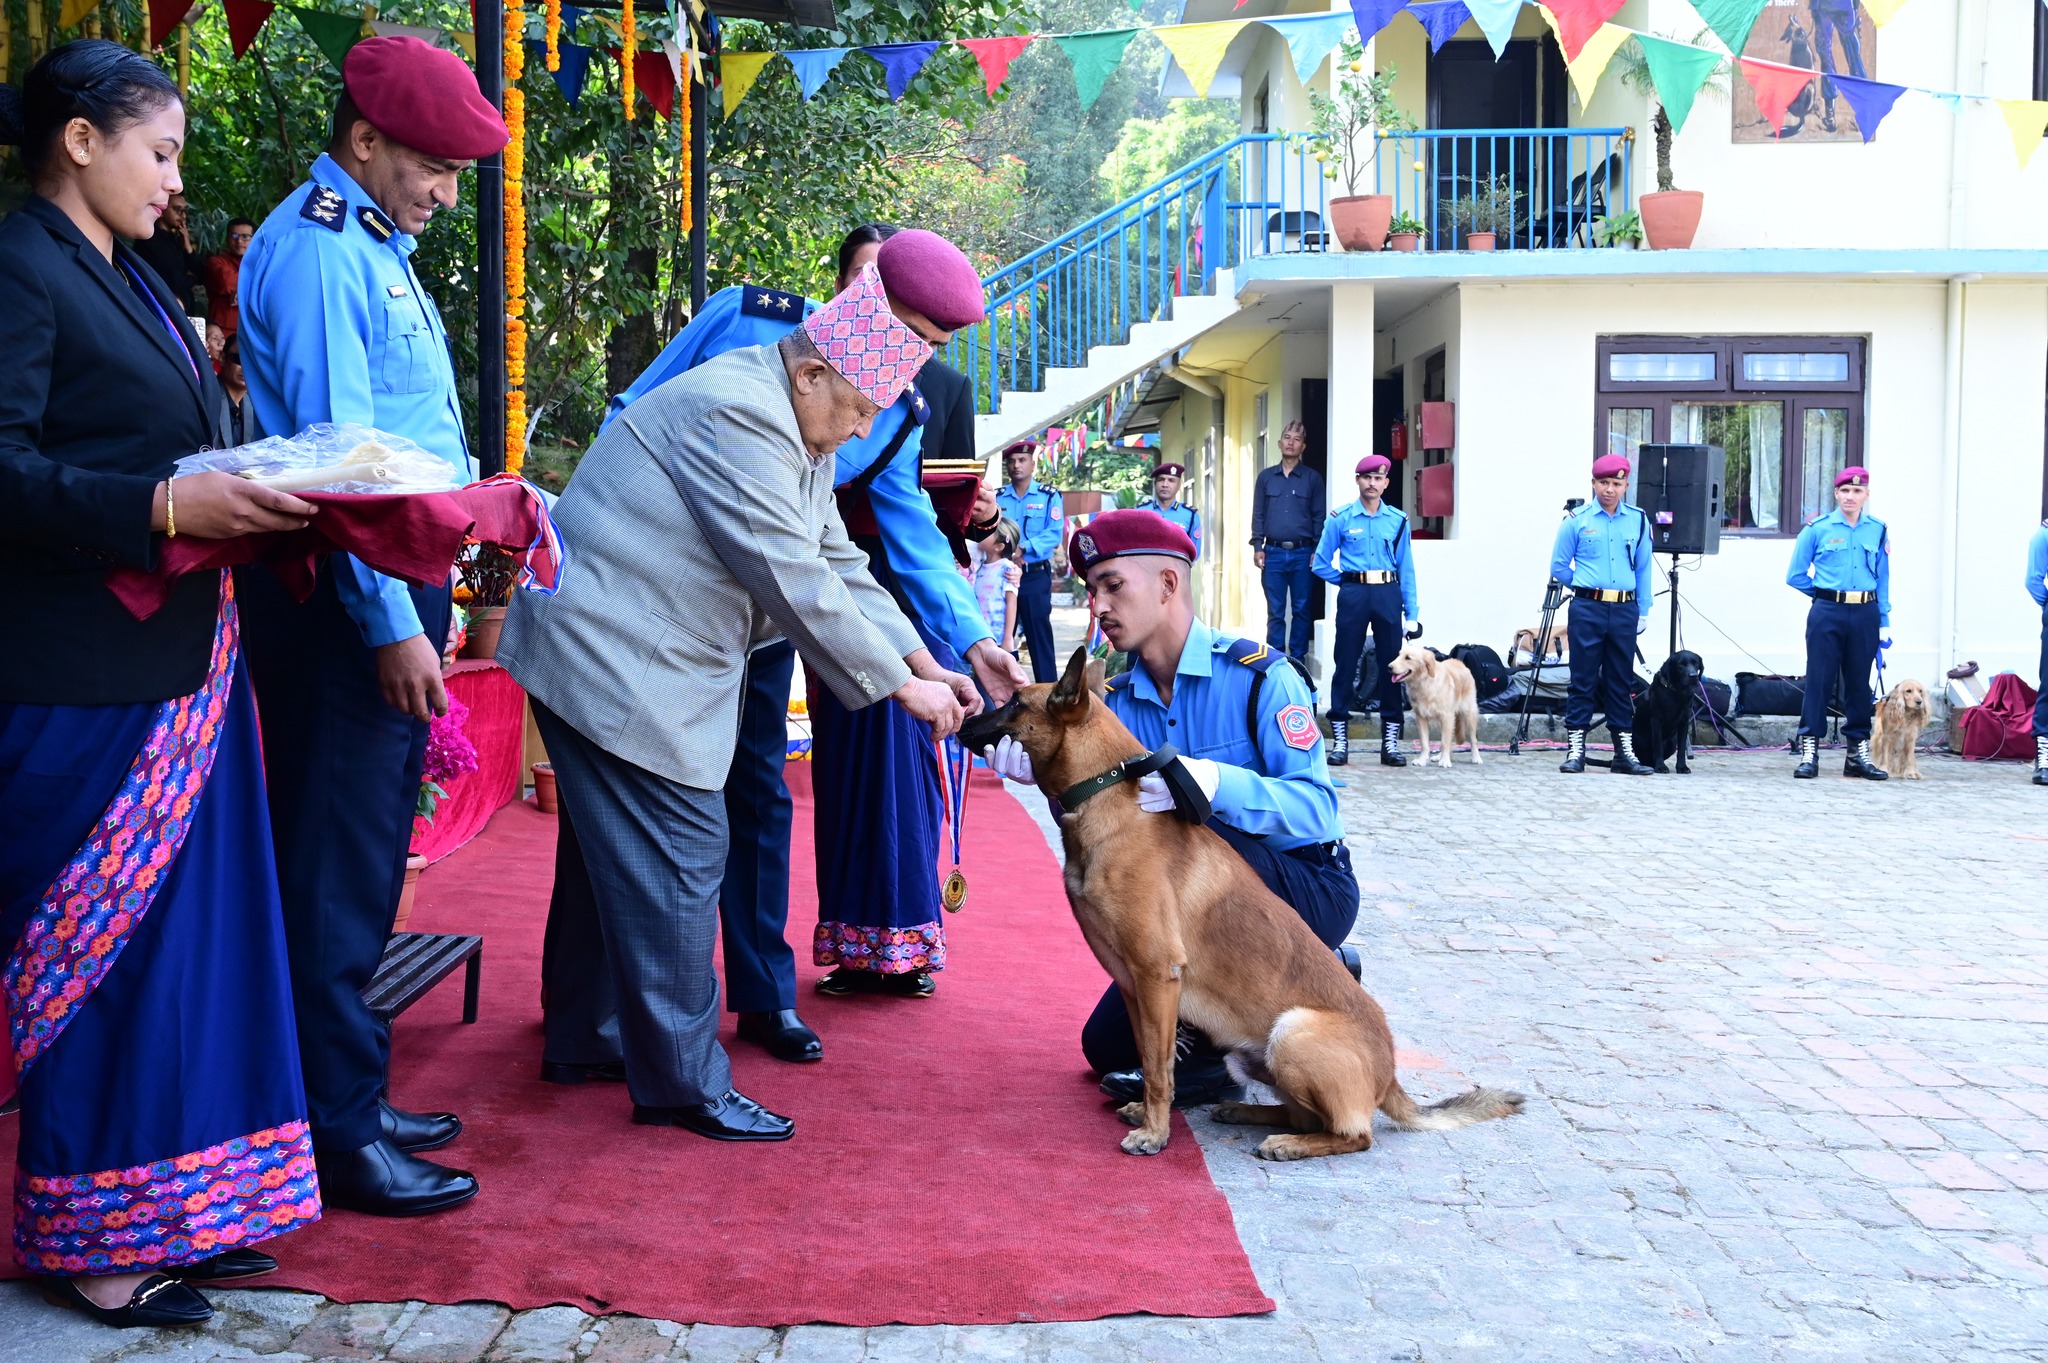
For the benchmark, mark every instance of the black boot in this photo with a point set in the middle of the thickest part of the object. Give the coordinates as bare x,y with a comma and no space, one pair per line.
418,1132
2041,761
1390,745
784,1035
382,1180
1858,762
1197,1081
1575,756
1809,759
1625,757
1340,742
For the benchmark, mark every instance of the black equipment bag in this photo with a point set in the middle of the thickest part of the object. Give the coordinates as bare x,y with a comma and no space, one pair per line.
1489,673
1718,696
1758,693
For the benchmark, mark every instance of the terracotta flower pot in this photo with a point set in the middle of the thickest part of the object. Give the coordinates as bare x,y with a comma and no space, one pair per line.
1406,241
414,864
1360,220
544,787
485,624
1670,218
1479,241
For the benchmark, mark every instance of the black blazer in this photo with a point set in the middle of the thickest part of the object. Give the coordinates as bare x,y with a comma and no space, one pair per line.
97,402
949,430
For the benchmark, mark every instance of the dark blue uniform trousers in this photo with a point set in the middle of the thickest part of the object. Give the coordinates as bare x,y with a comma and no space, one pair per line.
1603,640
2041,703
753,902
1316,882
343,770
1841,641
1363,607
1034,620
1287,575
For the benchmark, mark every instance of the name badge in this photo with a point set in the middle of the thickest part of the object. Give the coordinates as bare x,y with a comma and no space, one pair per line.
396,290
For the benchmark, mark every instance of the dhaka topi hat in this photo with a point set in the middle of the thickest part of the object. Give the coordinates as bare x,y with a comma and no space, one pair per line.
424,97
1134,531
1373,463
1174,469
1853,476
1611,466
924,271
867,343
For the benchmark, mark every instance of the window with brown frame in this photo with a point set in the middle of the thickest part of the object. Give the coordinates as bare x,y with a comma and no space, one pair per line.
1787,411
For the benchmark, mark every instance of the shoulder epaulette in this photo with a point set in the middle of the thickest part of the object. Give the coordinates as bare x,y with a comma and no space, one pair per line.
1815,518
1258,657
1118,682
756,301
376,224
920,410
323,206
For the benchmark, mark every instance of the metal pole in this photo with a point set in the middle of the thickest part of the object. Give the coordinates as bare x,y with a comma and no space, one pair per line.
490,251
700,193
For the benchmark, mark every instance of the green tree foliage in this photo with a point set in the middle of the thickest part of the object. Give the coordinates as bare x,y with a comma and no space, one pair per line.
1152,148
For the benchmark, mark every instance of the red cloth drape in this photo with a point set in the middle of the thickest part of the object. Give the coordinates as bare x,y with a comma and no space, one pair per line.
497,729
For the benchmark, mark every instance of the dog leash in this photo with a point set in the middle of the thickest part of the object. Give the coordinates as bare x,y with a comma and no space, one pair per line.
1130,769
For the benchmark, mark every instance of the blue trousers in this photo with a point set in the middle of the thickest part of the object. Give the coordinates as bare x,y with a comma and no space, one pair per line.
753,902
343,770
1841,641
1363,607
1287,575
1316,883
2041,703
1603,640
1034,620
1829,22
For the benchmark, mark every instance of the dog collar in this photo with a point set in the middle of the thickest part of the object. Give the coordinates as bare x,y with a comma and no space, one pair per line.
1130,769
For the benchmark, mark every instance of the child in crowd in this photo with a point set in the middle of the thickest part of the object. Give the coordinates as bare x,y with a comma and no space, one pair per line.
993,569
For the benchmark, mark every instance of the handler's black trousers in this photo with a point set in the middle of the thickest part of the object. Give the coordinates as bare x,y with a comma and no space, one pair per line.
1034,620
1841,641
1316,882
1363,607
1603,639
2041,702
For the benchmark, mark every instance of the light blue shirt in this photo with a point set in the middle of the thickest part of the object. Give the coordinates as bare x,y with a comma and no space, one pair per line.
1838,556
336,327
1605,553
1181,514
1357,541
1269,786
2037,568
731,319
1040,515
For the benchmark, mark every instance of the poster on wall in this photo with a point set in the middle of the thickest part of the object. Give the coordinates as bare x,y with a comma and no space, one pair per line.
1829,36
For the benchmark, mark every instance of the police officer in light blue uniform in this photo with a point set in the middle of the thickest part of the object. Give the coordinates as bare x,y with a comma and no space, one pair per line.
2037,587
337,326
1165,501
1041,518
1365,549
1843,560
1602,553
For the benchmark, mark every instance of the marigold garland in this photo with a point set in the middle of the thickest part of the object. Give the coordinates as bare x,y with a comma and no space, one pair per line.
683,117
515,235
554,26
631,49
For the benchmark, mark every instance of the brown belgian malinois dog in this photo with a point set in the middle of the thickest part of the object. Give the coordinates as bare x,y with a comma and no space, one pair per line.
1189,932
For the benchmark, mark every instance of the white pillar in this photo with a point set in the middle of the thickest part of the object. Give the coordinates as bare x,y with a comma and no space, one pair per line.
1351,418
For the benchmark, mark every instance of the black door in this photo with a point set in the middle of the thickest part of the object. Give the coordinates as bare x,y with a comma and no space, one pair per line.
1468,88
1315,417
1388,404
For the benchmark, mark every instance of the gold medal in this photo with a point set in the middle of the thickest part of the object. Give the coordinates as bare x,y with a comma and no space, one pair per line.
954,895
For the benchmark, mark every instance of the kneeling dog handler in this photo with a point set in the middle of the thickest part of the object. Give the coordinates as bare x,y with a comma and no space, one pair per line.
1232,743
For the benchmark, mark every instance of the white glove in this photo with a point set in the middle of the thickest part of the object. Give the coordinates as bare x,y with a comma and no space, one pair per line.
1642,623
1009,761
1155,798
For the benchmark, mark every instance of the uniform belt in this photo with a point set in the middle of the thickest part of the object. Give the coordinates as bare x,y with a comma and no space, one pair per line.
1044,565
1286,544
1601,594
1844,598
1377,577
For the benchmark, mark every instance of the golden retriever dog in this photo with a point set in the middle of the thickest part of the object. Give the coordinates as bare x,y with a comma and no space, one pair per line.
1901,715
1189,932
1442,693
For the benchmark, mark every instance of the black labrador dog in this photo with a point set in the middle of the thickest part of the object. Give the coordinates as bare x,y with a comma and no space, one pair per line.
1664,713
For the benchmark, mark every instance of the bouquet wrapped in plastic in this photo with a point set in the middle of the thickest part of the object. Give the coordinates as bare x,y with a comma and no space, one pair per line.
329,457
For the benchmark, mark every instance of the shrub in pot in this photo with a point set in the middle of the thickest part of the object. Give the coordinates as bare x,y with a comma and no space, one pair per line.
1405,232
1671,215
1344,129
1623,231
1487,211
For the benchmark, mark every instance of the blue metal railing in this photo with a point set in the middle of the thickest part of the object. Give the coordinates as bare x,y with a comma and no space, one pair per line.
1564,179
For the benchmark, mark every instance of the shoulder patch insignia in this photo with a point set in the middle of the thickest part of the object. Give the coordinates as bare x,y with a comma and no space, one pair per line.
756,301
1257,656
323,206
920,410
376,224
1297,727
1118,682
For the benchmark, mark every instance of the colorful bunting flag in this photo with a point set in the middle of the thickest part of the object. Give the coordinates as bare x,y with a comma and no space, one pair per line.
1374,15
653,78
1594,54
1731,20
164,17
74,11
1776,87
994,55
333,34
245,20
573,70
467,42
431,36
1496,20
737,72
1094,57
900,62
1869,100
1576,21
1310,38
1678,71
2028,120
1199,48
1883,12
814,66
1440,19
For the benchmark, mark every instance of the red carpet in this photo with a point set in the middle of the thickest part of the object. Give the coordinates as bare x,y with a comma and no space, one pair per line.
951,1162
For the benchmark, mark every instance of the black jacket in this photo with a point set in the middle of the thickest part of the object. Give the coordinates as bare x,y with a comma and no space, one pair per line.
97,402
949,430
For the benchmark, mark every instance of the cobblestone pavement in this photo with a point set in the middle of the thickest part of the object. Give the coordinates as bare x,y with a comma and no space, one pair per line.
1788,1084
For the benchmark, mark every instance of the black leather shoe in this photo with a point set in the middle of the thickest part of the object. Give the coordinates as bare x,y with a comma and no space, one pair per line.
570,1072
382,1180
231,1263
1352,962
158,1301
843,982
1196,1083
414,1132
783,1035
732,1117
917,984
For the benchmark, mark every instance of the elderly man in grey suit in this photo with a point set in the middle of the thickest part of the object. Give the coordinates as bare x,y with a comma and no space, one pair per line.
700,525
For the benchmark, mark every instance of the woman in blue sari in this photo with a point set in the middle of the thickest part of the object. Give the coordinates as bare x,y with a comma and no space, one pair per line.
163,1130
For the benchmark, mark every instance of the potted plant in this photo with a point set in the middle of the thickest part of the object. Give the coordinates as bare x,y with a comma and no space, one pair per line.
483,589
1487,211
1623,231
1671,215
1344,127
1406,231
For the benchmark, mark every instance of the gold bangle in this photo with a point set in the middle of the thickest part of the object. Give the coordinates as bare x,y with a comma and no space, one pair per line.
170,510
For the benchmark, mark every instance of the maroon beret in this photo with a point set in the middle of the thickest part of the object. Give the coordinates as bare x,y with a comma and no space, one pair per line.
1015,446
423,96
1175,469
1374,463
1132,531
1611,466
1853,476
923,270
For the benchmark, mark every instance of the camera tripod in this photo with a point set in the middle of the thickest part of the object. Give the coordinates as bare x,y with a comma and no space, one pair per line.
1553,598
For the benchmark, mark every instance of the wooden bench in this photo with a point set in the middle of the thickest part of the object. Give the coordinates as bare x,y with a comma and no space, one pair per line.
414,962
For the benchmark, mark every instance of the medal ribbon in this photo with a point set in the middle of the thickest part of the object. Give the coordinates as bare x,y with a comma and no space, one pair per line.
955,764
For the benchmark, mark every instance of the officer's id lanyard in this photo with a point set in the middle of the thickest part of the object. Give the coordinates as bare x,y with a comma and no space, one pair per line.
955,764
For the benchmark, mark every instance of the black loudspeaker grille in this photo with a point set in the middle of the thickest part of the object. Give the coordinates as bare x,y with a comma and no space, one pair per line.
1679,489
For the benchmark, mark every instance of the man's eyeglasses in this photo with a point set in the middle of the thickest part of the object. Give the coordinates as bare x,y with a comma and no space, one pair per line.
240,236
